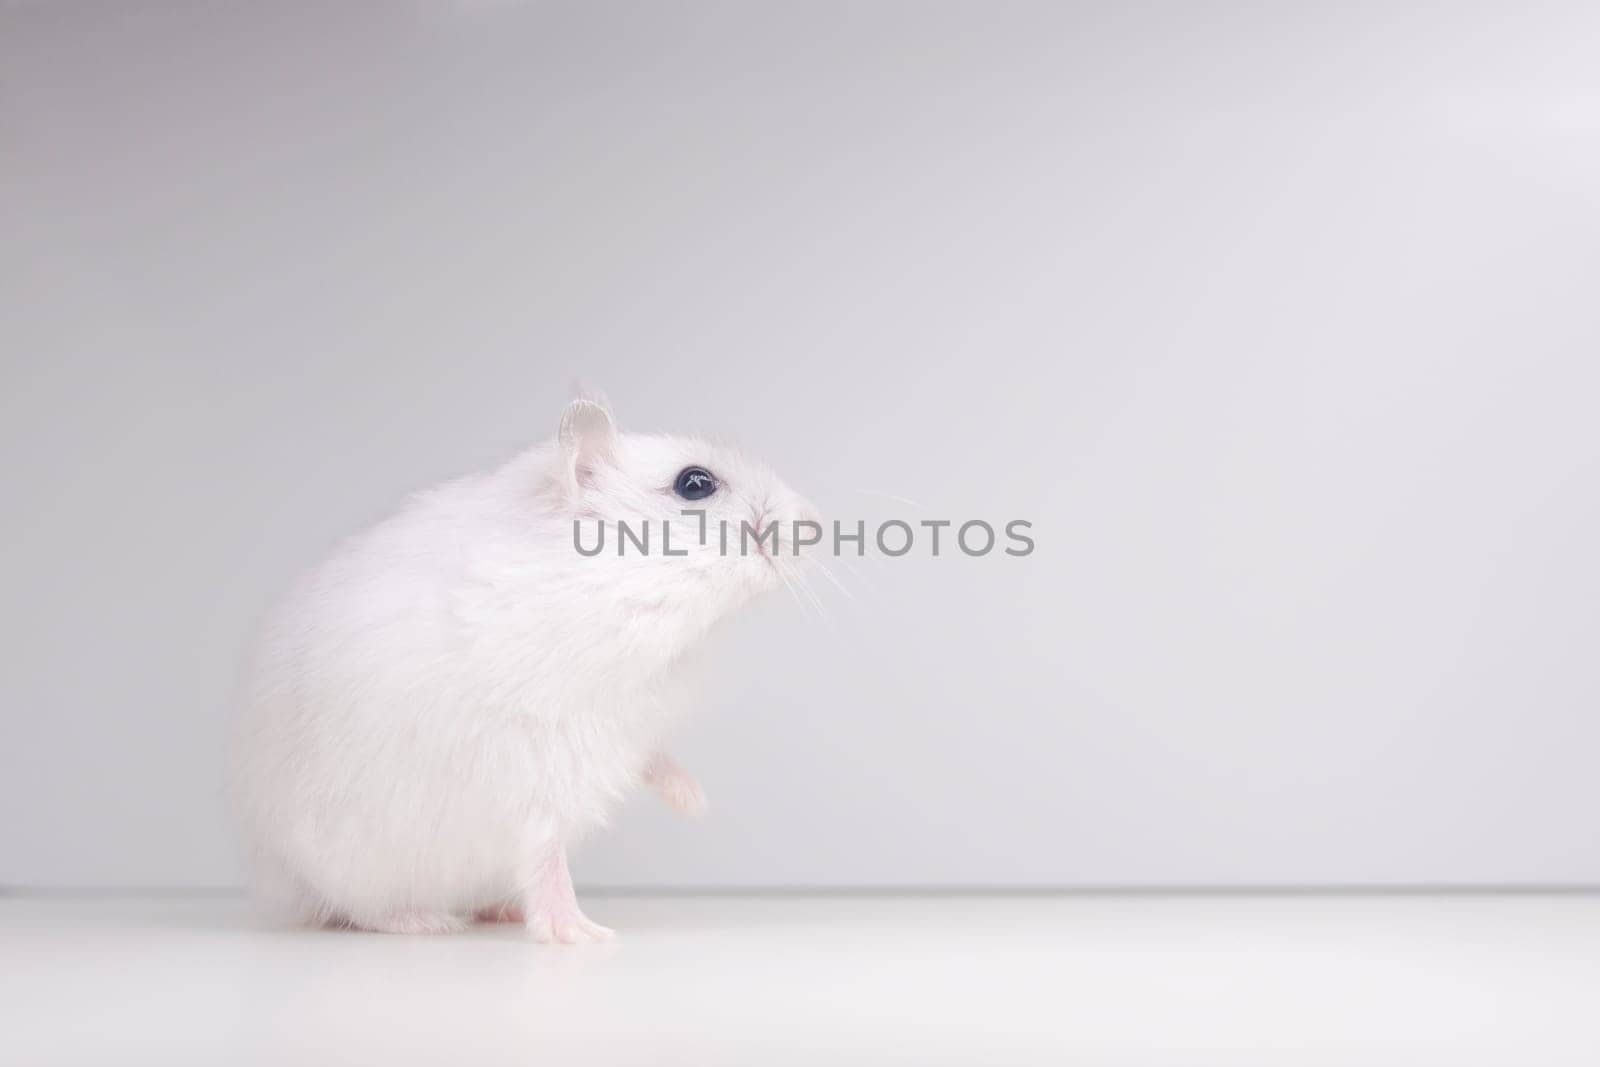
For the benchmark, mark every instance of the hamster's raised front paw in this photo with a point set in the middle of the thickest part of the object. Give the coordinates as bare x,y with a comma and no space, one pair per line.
676,786
566,926
683,794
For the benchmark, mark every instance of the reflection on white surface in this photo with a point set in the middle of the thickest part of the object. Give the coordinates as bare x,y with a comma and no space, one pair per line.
1240,980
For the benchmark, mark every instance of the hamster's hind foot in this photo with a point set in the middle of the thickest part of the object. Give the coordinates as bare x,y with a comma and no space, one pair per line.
566,926
552,907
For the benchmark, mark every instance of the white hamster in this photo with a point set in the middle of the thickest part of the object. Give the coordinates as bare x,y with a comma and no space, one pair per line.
441,708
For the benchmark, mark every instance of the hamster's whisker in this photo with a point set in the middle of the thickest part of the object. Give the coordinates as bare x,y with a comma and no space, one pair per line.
797,583
868,586
792,582
828,574
787,584
805,587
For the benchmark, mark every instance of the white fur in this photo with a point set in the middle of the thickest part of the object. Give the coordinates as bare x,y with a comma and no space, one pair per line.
455,695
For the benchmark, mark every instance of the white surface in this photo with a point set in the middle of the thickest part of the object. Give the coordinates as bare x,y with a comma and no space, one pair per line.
1240,981
1277,320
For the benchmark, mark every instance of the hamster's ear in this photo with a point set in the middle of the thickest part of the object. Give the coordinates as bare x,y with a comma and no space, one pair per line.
587,440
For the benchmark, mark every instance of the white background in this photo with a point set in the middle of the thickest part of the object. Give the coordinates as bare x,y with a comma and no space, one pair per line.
1280,325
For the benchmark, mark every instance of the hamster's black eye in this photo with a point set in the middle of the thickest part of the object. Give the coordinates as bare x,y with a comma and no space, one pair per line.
695,483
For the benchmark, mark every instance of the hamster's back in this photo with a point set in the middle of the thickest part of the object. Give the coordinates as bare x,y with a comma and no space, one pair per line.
357,733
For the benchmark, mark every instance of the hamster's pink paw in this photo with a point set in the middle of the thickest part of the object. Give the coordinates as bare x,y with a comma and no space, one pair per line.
683,794
417,923
566,926
501,913
676,785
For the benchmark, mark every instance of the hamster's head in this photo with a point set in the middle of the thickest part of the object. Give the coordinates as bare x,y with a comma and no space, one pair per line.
690,526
